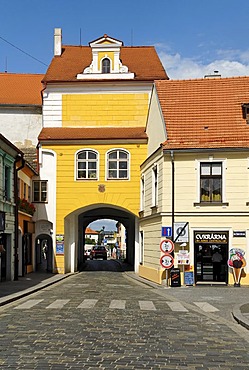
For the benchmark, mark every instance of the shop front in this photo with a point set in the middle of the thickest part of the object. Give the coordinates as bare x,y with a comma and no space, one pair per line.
210,256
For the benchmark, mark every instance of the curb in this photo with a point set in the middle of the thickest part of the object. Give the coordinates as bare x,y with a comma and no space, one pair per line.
239,317
15,296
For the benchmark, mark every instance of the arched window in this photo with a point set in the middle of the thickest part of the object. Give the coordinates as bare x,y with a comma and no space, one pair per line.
118,164
106,65
87,165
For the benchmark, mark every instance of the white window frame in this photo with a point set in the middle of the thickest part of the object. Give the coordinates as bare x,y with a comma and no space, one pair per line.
142,193
223,171
87,161
128,165
141,245
101,64
154,193
40,191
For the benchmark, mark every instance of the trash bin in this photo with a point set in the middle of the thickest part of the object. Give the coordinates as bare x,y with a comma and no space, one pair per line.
175,277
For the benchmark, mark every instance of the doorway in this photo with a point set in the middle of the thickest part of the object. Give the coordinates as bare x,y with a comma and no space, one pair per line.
208,267
44,253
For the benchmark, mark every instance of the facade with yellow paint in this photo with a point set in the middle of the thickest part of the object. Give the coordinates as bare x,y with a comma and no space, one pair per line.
95,106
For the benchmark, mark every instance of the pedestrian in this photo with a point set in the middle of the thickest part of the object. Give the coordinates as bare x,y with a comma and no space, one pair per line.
118,253
114,252
216,259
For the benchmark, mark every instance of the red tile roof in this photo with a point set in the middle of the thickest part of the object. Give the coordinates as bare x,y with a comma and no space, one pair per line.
20,89
142,60
92,133
91,231
205,113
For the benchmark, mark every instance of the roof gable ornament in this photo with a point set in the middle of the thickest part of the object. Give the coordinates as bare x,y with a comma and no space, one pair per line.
106,63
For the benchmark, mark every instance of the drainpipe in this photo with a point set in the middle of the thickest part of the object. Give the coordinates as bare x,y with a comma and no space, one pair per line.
18,158
172,192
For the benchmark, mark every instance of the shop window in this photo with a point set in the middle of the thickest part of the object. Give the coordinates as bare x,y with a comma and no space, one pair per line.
40,191
118,165
87,165
211,182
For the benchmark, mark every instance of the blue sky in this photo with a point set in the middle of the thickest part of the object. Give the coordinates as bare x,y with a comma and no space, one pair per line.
192,37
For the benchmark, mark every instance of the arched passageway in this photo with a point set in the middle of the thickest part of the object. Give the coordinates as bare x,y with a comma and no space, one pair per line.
125,218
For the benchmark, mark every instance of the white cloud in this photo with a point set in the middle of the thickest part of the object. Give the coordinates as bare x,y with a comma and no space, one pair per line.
110,225
178,67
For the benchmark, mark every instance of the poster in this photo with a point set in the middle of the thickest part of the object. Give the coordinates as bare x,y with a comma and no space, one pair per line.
60,244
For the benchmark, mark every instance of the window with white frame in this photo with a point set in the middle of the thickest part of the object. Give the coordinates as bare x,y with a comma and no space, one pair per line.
106,65
87,165
40,191
154,186
118,165
211,182
141,254
142,193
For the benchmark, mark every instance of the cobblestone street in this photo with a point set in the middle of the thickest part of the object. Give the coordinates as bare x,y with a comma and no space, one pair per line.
106,320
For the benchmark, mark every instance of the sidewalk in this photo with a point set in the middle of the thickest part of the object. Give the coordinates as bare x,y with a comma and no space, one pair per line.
11,291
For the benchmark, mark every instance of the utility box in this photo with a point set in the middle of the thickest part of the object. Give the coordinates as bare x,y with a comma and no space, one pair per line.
175,277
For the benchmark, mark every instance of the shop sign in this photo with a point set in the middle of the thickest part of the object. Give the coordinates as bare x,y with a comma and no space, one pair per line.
239,234
189,278
218,237
183,257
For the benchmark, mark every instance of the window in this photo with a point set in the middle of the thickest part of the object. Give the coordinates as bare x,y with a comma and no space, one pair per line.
154,186
117,164
211,182
142,193
141,254
40,191
106,65
87,161
7,182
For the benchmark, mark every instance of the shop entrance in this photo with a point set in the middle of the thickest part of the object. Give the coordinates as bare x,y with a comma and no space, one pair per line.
211,256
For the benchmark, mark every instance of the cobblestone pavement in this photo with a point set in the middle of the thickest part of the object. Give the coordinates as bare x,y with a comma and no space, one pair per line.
106,320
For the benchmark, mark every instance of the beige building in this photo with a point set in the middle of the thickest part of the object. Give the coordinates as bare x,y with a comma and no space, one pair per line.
197,176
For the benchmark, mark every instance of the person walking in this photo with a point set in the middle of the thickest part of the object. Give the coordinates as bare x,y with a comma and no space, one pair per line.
216,259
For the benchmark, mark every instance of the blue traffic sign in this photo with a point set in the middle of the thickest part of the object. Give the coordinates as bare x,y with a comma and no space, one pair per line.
167,231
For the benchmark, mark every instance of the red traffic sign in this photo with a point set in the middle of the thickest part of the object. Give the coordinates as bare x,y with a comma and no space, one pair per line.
167,246
167,261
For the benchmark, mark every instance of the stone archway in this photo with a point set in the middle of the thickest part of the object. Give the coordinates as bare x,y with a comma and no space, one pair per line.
105,212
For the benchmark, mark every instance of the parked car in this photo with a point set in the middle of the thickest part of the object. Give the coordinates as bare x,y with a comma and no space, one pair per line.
87,253
98,251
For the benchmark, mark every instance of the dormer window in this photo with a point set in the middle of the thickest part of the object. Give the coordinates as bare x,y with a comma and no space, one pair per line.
106,65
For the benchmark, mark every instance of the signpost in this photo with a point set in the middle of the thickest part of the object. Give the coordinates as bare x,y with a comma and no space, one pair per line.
167,260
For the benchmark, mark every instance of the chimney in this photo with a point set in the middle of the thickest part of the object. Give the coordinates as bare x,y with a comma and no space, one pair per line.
214,75
57,41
